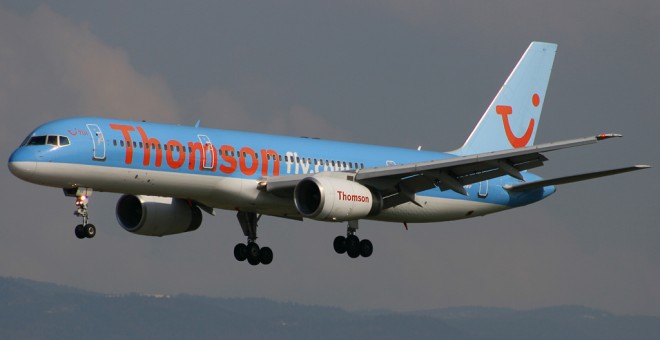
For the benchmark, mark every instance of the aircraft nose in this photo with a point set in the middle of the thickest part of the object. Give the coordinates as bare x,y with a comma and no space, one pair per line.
21,167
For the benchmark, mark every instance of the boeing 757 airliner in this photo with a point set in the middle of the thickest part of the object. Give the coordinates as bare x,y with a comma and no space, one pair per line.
170,174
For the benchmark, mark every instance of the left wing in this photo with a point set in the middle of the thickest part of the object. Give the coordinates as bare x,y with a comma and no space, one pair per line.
398,184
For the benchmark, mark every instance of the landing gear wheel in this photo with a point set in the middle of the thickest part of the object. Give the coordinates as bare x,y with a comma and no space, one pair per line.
352,241
240,252
80,234
353,253
265,255
89,230
340,244
253,261
366,248
352,246
253,253
252,250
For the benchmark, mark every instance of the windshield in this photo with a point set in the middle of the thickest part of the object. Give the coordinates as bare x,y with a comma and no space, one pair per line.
53,140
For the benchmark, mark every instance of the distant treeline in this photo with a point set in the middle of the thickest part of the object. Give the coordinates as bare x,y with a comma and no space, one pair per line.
35,310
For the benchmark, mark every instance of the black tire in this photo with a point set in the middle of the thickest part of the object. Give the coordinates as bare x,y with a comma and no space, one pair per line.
352,243
353,253
366,248
252,261
253,252
340,244
80,234
265,255
89,231
240,252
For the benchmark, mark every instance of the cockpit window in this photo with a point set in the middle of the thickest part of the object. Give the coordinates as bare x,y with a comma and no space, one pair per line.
37,140
53,140
25,141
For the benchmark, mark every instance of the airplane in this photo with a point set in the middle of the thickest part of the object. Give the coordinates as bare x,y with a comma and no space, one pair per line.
170,174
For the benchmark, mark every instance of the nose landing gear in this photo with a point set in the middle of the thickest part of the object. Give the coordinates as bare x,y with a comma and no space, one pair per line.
84,230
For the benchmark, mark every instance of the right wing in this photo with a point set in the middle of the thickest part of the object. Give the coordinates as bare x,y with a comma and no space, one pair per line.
399,184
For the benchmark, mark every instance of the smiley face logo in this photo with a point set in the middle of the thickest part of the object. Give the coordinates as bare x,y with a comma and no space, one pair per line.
505,111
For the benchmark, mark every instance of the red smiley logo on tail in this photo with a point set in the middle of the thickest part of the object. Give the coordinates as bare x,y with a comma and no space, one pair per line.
505,111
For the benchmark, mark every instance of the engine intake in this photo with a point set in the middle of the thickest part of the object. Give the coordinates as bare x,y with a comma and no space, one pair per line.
335,199
157,216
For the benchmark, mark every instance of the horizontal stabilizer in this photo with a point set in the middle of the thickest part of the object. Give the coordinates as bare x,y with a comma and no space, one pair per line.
571,179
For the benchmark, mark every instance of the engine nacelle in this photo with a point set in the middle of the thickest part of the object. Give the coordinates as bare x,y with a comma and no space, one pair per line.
335,199
157,216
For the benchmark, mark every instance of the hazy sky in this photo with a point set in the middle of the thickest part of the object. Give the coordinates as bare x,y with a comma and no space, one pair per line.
402,73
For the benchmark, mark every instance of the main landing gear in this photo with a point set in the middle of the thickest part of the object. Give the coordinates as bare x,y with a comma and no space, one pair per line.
251,251
351,244
84,230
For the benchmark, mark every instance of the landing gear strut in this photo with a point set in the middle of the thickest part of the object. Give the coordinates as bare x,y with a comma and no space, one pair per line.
251,251
84,230
351,244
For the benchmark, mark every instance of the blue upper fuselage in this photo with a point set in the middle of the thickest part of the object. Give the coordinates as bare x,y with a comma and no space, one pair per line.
212,152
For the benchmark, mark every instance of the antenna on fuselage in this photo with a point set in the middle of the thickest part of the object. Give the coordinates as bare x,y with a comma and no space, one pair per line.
197,124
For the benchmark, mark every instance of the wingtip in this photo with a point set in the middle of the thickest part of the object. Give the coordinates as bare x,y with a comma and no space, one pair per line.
603,136
642,166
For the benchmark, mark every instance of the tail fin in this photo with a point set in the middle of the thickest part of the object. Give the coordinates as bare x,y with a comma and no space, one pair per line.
512,119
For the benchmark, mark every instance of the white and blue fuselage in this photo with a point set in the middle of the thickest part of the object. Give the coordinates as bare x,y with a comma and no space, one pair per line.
222,168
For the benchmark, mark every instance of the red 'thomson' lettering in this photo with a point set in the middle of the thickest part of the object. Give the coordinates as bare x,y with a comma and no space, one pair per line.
352,198
174,154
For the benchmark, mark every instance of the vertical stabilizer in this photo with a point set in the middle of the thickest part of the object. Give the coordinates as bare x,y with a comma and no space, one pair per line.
512,118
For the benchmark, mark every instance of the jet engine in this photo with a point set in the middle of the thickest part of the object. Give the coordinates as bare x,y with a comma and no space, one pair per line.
157,216
335,199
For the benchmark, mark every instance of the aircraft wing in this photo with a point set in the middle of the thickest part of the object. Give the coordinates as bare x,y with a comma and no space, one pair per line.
399,183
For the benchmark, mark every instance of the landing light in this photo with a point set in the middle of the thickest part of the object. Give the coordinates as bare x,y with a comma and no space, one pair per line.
81,200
